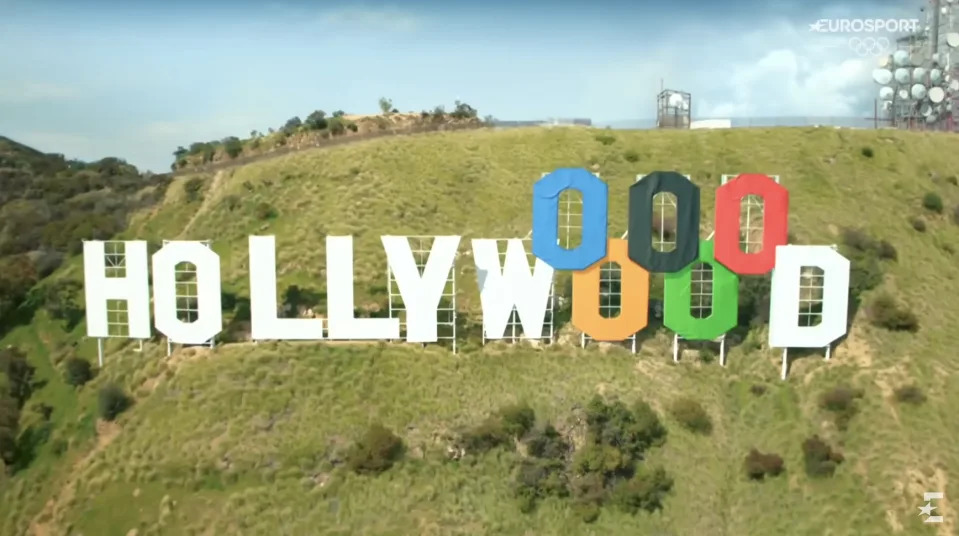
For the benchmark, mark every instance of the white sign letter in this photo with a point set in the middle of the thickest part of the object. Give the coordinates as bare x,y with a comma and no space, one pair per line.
421,294
784,328
134,288
209,320
265,325
511,285
339,292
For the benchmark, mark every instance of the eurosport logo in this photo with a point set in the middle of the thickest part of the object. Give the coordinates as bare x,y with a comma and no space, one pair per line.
864,26
869,46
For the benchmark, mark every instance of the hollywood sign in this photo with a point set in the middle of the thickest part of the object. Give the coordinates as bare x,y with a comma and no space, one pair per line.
510,283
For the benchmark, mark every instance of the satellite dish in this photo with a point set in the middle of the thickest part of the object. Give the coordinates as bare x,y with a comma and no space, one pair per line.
935,76
675,100
918,91
936,95
954,85
902,75
949,106
915,58
936,59
932,118
926,109
886,105
882,76
952,39
885,61
900,58
944,10
886,93
903,94
918,74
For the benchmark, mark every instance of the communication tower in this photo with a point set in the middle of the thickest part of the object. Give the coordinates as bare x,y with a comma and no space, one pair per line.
919,82
673,109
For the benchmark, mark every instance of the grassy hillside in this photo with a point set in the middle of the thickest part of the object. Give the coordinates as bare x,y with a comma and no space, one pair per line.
251,439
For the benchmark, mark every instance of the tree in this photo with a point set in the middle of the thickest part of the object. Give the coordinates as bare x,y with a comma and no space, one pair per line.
385,105
112,401
292,125
316,120
13,363
233,146
180,152
339,113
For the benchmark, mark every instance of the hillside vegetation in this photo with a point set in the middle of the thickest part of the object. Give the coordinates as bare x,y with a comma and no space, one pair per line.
313,438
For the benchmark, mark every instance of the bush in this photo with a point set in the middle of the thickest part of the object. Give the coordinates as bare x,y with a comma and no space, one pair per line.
265,211
691,415
78,371
758,389
932,202
233,146
759,465
547,443
192,188
910,394
631,156
112,401
886,313
500,429
841,401
955,215
606,139
633,432
537,479
820,459
376,451
646,490
867,152
918,224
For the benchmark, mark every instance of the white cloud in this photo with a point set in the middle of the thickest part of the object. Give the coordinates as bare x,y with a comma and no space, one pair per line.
389,19
780,70
18,92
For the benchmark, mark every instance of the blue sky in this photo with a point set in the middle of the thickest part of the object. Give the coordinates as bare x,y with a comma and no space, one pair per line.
135,79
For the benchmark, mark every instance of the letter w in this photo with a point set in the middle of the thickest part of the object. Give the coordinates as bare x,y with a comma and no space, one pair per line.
511,286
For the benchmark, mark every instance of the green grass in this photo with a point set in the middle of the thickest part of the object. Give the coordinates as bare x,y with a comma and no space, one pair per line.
239,437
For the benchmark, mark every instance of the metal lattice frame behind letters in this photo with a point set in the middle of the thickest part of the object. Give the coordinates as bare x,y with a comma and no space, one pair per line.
446,311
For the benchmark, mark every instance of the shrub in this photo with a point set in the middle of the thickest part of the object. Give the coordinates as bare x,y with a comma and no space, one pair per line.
517,419
500,429
631,156
955,215
606,139
547,443
691,415
192,188
886,251
632,431
758,389
537,479
820,459
841,401
886,313
78,371
932,202
867,152
265,211
918,224
646,490
759,465
910,394
376,451
112,401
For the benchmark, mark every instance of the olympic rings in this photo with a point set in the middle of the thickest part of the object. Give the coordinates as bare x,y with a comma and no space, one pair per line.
869,46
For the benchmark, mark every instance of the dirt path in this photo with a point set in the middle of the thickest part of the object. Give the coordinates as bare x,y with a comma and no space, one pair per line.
209,200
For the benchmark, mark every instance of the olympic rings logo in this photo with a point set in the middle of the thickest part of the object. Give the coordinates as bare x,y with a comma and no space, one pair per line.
869,46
